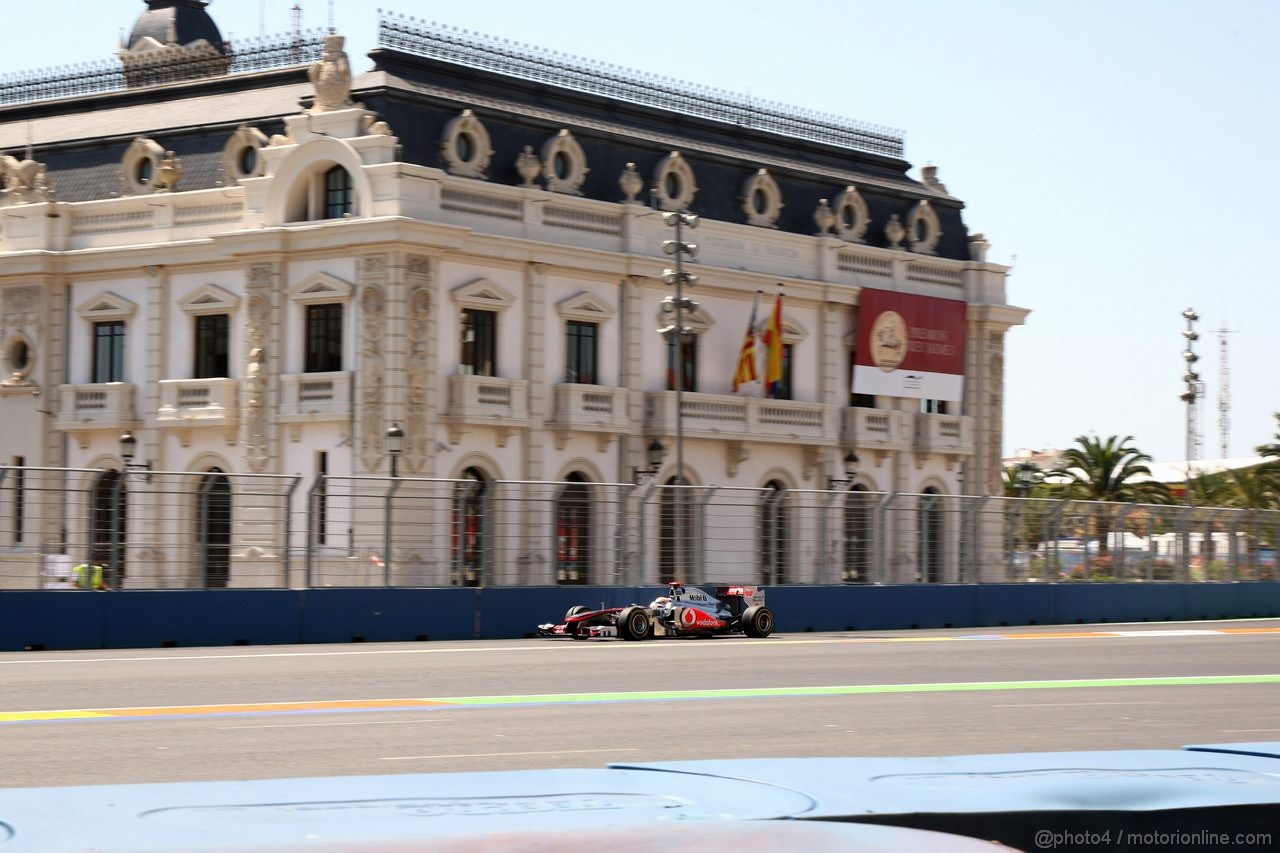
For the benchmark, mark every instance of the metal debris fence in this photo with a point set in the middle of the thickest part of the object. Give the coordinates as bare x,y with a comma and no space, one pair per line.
198,530
170,66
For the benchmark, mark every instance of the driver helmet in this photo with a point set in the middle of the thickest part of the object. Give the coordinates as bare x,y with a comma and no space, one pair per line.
662,601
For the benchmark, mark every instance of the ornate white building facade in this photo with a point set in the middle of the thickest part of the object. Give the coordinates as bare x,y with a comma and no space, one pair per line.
250,287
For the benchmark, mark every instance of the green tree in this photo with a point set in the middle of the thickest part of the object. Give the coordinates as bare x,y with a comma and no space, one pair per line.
1112,471
1271,449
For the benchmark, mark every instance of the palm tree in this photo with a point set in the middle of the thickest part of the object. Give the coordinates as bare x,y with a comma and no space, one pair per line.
1273,448
1111,471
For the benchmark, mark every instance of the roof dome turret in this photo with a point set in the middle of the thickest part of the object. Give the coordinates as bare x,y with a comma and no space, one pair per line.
174,40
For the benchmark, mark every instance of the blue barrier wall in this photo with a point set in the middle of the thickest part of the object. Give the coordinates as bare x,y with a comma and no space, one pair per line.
93,620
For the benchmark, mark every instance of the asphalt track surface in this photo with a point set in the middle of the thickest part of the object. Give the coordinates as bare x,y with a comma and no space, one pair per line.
161,715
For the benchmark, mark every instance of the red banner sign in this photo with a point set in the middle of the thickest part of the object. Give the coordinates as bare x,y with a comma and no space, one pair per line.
910,346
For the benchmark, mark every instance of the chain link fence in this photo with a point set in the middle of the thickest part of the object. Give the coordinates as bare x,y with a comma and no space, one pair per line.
185,530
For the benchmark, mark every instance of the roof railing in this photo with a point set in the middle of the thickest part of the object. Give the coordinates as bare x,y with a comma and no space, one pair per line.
174,65
475,50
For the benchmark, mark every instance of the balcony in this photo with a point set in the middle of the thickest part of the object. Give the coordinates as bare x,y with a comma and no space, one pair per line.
108,405
949,434
589,408
487,401
731,417
199,403
309,397
876,429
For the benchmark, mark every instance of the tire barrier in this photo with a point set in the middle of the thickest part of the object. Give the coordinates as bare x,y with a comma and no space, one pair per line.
48,619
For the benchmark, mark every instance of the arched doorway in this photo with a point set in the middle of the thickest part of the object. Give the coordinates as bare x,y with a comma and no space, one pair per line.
775,556
574,548
930,536
109,525
213,529
677,533
857,535
470,528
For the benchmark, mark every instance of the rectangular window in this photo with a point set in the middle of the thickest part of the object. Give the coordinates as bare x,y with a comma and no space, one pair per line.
19,497
213,333
689,348
580,355
324,338
108,351
337,193
320,497
479,342
856,400
933,407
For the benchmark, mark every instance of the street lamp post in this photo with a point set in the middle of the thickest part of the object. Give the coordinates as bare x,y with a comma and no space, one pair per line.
654,454
395,446
850,473
677,333
1192,390
120,503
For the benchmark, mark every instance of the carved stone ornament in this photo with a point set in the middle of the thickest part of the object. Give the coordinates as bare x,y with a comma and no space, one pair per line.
466,147
373,265
24,181
762,200
894,232
372,444
419,265
168,173
824,217
929,174
674,183
924,229
852,215
564,164
256,447
261,275
331,77
373,127
529,166
978,247
631,183
20,307
139,164
417,377
241,156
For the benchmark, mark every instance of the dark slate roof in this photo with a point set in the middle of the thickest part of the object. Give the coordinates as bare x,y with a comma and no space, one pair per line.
187,18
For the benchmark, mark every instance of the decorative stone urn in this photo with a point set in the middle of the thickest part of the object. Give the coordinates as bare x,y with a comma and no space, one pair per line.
895,232
528,165
631,183
824,217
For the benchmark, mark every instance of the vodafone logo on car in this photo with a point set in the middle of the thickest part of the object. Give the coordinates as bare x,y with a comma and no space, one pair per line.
689,617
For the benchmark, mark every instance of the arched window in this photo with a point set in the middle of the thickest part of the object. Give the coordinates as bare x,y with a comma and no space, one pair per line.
929,548
470,528
109,526
677,534
574,547
857,535
338,193
774,532
213,529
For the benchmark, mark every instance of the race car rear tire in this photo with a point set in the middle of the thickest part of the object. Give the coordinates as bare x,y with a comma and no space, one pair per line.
634,624
757,621
575,610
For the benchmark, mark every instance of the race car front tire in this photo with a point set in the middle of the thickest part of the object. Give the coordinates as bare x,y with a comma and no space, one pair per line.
757,621
575,610
634,624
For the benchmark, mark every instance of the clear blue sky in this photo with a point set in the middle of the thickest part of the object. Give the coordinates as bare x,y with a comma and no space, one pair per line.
1120,149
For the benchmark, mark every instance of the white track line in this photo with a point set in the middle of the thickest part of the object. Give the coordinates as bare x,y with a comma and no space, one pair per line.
1069,704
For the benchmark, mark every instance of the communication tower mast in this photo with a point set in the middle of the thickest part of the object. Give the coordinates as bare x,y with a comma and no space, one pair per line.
1224,394
1193,389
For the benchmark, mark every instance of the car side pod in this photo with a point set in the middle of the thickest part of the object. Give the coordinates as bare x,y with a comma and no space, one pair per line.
757,621
634,624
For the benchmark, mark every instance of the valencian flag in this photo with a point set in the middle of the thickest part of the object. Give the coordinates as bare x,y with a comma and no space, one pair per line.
773,350
747,371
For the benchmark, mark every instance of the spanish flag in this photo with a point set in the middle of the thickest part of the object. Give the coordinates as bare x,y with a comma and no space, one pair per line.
746,371
773,351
